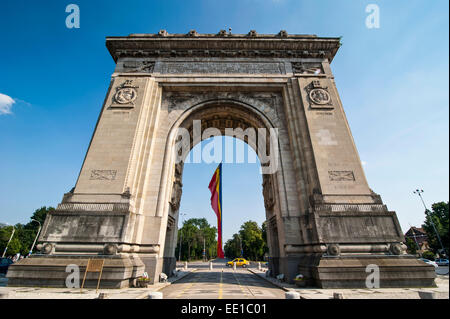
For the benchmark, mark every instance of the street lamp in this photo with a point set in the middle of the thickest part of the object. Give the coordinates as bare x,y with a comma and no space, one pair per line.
35,238
12,234
419,192
415,239
181,235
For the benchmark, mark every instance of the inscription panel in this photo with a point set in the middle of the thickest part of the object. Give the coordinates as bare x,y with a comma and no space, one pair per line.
85,227
101,174
340,176
221,67
348,229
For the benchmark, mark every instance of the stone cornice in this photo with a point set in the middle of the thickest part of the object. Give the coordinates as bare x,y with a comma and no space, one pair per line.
223,44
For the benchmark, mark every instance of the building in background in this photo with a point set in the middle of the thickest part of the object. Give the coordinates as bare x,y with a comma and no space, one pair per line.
419,236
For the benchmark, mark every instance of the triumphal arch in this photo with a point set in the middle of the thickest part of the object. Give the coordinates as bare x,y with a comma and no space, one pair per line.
323,219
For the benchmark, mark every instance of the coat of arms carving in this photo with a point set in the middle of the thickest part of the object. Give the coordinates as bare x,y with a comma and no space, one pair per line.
318,95
125,94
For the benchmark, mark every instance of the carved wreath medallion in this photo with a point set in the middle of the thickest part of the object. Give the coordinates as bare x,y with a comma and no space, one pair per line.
125,96
319,96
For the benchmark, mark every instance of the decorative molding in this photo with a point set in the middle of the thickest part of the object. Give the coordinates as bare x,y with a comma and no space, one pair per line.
110,249
395,248
101,174
184,67
307,68
333,250
94,207
340,176
125,95
177,188
268,193
139,66
283,34
223,44
192,33
318,96
332,207
252,33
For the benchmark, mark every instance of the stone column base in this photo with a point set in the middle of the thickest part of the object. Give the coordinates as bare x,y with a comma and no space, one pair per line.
169,265
50,271
350,271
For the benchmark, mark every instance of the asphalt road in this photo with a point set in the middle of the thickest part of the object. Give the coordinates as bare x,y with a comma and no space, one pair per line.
221,283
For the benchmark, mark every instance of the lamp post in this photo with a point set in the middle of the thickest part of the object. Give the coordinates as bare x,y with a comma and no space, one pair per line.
415,239
12,234
181,235
35,238
419,192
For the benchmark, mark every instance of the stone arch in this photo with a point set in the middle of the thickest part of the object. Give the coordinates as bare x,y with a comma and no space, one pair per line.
330,222
223,114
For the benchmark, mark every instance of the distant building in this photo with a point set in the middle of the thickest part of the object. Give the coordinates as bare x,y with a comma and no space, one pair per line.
419,236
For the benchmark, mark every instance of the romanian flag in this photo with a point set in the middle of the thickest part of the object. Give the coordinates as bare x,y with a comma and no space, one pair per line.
215,186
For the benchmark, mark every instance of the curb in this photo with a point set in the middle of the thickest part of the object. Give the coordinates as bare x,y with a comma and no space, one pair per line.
276,284
164,285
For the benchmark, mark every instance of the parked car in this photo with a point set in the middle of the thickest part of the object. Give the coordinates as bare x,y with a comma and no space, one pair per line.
4,265
441,262
239,262
429,262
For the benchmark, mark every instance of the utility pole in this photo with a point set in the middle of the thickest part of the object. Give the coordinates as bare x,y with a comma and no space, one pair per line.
12,234
419,192
35,238
415,239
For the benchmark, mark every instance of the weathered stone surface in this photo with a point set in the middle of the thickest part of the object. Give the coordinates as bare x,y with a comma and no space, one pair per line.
323,219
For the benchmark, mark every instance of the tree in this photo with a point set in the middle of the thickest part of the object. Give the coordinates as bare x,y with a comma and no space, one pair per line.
14,246
440,217
232,247
411,246
252,240
428,255
194,233
24,235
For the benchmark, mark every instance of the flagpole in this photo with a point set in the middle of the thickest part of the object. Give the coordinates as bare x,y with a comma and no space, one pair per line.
221,207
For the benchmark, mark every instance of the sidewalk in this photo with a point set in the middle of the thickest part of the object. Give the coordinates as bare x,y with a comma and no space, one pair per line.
441,291
72,293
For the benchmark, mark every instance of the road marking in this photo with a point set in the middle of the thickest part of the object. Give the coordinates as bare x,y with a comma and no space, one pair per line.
220,285
189,286
239,283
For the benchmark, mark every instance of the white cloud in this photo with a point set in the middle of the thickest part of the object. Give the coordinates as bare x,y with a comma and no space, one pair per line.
6,103
364,163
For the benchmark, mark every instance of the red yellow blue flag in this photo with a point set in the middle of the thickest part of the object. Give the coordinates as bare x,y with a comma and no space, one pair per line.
215,186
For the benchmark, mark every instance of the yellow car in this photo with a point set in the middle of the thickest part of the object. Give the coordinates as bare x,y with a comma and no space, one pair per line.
239,262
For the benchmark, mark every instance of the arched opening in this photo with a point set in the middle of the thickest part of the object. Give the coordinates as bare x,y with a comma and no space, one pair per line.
230,120
242,198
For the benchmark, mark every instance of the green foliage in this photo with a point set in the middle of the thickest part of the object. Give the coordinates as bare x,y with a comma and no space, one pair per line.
428,255
440,217
194,233
24,235
232,248
254,242
411,246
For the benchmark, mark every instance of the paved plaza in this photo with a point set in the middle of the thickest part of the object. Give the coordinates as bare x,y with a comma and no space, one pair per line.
222,283
198,281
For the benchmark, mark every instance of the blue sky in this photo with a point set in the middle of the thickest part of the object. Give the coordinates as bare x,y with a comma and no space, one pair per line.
393,82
